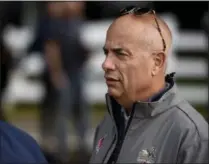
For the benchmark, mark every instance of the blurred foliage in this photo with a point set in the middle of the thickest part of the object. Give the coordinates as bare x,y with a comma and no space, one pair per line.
31,112
192,81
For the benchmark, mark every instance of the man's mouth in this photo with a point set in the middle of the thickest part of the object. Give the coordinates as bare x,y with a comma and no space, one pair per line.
111,80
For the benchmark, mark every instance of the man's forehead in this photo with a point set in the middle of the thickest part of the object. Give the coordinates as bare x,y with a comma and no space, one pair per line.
111,43
127,25
124,32
120,39
121,29
141,31
117,44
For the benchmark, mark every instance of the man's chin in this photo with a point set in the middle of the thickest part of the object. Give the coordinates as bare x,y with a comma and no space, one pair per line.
114,92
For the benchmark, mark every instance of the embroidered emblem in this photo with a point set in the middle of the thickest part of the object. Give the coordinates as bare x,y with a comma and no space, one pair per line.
100,143
147,156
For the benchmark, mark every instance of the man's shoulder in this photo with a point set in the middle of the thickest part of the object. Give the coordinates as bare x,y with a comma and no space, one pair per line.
106,121
189,119
18,145
9,130
106,124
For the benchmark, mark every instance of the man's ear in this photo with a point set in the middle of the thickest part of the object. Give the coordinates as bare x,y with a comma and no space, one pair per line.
159,62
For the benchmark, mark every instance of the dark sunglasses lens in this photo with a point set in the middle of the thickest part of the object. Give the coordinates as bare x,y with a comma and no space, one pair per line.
141,11
127,9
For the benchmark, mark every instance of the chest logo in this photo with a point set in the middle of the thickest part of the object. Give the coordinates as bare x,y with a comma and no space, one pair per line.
147,156
100,143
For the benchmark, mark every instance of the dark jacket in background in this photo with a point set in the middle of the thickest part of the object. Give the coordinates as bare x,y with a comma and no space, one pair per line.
17,147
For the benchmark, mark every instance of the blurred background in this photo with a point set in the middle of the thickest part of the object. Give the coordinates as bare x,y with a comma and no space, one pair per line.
51,78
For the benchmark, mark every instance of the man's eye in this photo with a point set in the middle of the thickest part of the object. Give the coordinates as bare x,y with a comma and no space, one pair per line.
120,54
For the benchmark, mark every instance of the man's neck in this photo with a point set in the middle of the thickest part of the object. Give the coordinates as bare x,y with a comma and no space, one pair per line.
142,96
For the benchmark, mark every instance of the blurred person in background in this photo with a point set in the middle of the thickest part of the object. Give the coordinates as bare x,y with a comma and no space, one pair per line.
147,120
58,39
65,56
48,103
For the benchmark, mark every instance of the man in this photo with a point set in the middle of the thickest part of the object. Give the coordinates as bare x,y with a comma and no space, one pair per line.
147,121
66,56
18,147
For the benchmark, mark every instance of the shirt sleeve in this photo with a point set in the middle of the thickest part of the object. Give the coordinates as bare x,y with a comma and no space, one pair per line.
195,153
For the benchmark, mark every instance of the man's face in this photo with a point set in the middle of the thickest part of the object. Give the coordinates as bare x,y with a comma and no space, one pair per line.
127,67
55,9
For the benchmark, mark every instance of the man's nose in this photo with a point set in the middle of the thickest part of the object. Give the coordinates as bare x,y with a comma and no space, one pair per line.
108,64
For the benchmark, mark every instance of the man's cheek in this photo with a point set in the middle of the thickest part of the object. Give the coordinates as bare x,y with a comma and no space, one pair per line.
131,84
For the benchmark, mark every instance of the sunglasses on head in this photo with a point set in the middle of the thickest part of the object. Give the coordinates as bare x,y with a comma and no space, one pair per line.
141,11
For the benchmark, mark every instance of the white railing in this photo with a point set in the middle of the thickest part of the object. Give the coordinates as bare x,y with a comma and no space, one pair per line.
93,36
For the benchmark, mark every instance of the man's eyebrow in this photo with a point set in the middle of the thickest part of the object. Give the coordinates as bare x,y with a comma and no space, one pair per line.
121,50
113,49
117,49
